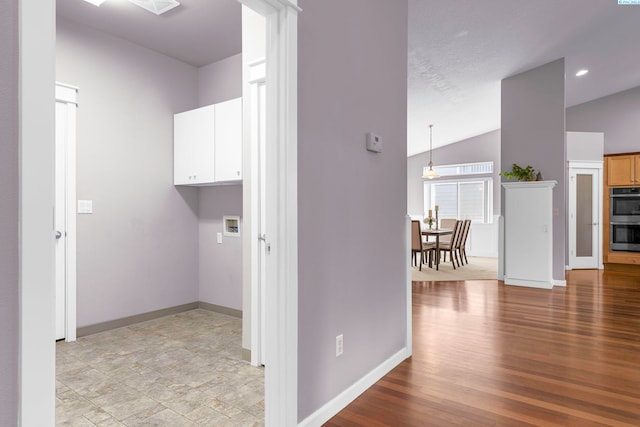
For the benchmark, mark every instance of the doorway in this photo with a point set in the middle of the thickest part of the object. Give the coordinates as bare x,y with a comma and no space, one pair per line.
585,215
37,129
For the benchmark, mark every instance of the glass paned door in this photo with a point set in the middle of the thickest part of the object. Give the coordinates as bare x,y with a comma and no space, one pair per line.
585,233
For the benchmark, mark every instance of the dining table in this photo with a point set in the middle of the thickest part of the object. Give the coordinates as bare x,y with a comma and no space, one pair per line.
437,232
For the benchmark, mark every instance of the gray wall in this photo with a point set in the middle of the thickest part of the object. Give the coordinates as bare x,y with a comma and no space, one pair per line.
481,148
9,213
138,251
220,81
533,133
220,266
616,115
352,75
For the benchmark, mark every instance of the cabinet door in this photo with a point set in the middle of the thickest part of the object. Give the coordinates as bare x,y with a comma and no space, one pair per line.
636,175
620,170
193,146
228,140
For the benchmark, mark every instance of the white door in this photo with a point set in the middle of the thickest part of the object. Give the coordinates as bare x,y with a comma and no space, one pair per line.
60,219
264,244
64,213
260,247
585,217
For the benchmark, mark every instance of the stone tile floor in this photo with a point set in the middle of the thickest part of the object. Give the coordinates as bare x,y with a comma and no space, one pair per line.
180,370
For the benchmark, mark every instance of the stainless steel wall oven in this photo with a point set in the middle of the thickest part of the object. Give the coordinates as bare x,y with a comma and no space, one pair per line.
625,219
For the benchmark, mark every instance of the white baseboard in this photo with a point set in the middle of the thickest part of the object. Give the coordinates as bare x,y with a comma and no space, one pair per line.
339,402
542,284
559,282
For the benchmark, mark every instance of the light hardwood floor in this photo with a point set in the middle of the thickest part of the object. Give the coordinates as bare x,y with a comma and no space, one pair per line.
486,354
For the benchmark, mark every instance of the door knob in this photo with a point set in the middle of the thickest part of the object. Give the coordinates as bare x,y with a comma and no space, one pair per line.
58,234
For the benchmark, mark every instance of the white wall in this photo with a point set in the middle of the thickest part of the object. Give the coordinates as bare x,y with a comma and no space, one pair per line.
220,81
585,146
616,115
138,251
9,213
220,265
352,77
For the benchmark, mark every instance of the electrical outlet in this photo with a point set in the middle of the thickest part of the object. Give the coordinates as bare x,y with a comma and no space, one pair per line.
339,345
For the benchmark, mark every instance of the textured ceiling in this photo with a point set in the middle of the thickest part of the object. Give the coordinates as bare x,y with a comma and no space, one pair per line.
459,50
197,32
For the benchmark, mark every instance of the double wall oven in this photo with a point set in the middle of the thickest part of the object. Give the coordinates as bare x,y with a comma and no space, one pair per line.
625,219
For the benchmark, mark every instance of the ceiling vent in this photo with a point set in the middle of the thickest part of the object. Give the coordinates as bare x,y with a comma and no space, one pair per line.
156,6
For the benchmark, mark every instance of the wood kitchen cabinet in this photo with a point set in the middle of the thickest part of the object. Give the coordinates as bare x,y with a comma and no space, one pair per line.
620,171
207,144
623,170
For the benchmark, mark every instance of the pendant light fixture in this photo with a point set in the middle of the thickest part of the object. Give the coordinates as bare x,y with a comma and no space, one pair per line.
430,174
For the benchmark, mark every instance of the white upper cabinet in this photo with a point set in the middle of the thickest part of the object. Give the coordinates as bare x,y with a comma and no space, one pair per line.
228,141
207,144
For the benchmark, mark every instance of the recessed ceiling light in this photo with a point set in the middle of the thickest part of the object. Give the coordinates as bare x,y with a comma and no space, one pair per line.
582,72
95,2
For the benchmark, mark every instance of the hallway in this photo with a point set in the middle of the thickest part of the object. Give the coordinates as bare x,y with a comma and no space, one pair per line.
486,354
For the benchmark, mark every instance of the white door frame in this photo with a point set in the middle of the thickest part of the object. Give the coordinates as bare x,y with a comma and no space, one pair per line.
257,243
68,95
597,167
36,27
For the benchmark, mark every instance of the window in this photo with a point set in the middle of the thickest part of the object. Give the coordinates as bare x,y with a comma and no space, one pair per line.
462,169
462,198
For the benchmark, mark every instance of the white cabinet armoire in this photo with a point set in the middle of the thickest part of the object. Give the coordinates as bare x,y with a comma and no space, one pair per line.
528,234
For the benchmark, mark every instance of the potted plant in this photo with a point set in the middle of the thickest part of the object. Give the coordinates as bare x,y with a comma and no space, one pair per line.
522,174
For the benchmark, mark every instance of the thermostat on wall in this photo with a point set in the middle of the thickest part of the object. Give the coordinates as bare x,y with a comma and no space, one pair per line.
374,143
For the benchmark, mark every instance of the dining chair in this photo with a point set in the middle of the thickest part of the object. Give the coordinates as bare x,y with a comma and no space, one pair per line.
447,223
418,245
462,250
453,245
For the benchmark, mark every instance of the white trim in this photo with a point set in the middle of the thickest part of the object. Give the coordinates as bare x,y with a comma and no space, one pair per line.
409,291
543,284
339,402
530,184
36,370
281,373
586,164
68,86
559,282
68,94
597,167
257,71
253,184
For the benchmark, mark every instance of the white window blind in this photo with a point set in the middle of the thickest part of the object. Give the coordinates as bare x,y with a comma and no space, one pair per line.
462,169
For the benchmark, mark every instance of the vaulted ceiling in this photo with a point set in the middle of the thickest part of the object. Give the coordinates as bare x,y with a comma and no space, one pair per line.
459,50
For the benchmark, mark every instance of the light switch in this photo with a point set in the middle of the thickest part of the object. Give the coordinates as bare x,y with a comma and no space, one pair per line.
219,237
85,206
374,143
